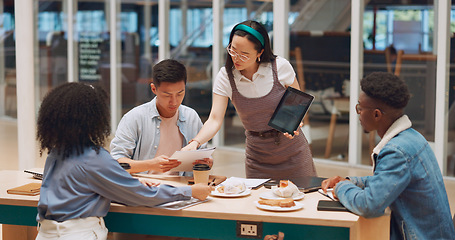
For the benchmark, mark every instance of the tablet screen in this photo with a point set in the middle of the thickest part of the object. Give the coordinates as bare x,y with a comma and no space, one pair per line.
290,111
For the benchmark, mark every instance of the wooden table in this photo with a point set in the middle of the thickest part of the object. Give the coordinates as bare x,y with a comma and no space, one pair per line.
217,217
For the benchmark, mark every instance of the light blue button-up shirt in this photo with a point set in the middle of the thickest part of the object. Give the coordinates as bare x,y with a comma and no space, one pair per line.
84,186
138,133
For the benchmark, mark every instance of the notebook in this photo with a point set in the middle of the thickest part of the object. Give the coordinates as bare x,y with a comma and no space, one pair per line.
27,189
305,184
329,205
308,184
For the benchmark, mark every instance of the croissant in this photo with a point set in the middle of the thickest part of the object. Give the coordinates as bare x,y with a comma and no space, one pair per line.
286,189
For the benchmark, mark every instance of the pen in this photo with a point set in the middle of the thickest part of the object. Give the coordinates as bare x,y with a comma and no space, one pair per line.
329,194
212,182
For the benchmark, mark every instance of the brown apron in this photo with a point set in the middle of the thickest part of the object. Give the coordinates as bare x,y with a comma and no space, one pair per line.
269,156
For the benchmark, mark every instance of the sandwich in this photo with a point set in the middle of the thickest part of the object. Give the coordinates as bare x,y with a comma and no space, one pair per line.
232,186
286,189
287,202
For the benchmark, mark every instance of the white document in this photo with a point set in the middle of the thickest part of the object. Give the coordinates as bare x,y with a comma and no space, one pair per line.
250,183
188,157
329,193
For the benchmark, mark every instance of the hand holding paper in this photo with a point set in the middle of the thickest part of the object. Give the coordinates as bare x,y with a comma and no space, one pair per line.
163,164
189,157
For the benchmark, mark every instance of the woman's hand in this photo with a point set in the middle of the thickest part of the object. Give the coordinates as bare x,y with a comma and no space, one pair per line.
296,133
280,236
201,191
148,182
191,146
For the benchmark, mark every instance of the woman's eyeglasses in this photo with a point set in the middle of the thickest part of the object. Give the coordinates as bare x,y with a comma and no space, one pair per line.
233,54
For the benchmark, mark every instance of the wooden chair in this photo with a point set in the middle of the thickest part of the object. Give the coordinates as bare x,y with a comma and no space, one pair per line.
419,72
341,104
300,76
411,57
297,53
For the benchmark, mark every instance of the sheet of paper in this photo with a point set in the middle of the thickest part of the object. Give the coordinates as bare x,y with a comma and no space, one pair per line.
251,182
188,157
329,193
157,176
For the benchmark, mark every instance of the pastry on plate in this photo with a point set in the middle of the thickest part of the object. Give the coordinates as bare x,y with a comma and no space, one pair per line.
287,189
287,202
232,186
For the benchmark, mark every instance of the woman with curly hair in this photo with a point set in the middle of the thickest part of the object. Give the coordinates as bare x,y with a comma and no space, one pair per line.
80,176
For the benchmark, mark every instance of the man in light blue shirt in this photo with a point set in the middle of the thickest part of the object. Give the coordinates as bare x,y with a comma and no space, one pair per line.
150,133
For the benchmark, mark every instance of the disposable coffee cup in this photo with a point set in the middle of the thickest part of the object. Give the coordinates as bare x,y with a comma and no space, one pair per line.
201,173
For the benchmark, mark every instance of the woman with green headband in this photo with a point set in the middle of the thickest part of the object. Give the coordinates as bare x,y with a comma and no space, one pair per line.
255,80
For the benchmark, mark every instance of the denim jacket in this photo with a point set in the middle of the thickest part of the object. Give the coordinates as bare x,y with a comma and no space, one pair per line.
407,179
138,135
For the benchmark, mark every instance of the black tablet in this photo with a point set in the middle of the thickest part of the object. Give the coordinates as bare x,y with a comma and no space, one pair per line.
329,205
290,111
305,184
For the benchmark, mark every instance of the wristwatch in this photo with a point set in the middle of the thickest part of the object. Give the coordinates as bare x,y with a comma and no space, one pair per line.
125,166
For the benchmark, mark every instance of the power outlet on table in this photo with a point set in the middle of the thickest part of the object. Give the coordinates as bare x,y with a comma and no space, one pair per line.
247,229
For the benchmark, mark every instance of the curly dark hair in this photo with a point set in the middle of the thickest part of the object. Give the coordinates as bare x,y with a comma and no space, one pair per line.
168,70
71,117
387,88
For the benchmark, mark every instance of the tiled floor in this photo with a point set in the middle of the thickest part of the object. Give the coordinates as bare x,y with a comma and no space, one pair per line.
228,162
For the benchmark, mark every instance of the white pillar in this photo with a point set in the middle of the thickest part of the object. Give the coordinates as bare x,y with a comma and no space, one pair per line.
217,55
72,51
25,61
163,29
115,70
442,86
2,73
436,25
184,9
355,138
249,8
147,26
281,28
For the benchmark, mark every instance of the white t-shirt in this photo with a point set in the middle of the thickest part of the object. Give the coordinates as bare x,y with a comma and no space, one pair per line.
170,138
262,81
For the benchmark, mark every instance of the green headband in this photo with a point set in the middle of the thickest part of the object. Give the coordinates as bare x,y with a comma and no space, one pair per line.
251,31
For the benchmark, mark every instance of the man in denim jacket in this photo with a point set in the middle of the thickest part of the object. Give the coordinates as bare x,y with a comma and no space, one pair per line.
406,176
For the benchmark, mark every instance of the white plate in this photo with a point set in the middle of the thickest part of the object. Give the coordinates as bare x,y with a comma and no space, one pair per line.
218,194
279,209
270,195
